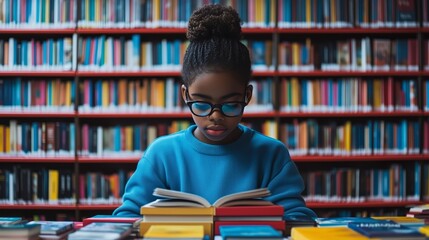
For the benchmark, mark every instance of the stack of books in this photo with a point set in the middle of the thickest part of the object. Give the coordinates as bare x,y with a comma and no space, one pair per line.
20,231
243,232
420,212
54,229
358,229
102,230
158,232
298,221
135,221
270,215
180,208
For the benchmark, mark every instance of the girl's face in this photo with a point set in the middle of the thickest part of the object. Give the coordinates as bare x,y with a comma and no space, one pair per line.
217,88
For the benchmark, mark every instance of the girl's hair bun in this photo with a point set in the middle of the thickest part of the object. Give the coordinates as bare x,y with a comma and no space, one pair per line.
214,21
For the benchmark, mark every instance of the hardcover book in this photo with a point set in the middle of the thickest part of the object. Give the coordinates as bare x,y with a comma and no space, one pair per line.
243,232
385,229
53,227
342,221
175,232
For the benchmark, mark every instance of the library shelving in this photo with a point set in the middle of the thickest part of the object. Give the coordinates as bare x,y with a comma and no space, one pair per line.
335,86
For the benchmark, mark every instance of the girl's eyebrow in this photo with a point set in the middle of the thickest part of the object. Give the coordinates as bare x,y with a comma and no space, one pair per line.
230,95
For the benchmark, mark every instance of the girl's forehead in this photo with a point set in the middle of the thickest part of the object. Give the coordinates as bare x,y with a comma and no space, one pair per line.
215,81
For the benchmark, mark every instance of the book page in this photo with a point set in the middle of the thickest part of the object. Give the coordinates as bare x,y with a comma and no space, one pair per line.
255,193
172,194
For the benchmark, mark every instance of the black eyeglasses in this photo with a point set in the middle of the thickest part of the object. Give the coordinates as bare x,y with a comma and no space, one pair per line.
204,109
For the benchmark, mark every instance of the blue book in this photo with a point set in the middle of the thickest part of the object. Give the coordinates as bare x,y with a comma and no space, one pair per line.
249,232
9,220
385,228
53,227
342,221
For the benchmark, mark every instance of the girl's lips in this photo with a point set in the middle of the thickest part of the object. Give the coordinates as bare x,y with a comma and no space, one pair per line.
215,131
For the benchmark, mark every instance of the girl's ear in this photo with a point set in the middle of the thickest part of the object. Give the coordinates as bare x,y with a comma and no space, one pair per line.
249,91
183,91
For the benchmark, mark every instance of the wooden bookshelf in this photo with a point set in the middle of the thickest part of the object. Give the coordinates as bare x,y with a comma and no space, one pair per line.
361,158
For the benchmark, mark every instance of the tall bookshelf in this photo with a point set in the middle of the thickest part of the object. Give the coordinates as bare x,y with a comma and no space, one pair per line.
90,110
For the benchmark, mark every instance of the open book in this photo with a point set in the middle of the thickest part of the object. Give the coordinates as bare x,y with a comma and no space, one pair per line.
172,198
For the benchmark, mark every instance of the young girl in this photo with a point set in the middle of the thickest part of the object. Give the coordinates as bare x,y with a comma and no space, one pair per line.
218,155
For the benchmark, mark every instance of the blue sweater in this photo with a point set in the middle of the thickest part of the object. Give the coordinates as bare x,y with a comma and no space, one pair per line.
181,162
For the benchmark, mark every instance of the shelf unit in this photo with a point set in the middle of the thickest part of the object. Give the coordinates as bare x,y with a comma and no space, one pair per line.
80,162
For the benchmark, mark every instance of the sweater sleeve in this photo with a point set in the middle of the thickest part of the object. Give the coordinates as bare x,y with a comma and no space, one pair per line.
286,188
139,189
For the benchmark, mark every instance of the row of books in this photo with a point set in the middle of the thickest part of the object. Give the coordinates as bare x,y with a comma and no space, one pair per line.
175,13
163,95
34,95
302,137
348,95
22,185
155,95
41,185
32,54
102,188
166,13
391,183
363,54
317,137
129,140
349,13
38,13
109,53
37,138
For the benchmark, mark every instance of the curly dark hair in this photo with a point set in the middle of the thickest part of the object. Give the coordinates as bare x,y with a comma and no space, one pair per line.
214,32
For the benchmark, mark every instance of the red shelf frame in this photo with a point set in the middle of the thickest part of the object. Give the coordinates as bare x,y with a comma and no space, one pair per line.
129,74
360,158
168,115
369,204
36,115
30,159
350,114
55,74
37,207
37,31
349,30
104,160
91,207
160,30
320,73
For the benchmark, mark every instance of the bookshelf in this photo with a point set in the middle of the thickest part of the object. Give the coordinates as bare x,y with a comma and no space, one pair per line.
260,30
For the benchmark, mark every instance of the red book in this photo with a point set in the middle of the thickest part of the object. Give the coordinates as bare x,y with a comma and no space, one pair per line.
272,210
278,225
109,218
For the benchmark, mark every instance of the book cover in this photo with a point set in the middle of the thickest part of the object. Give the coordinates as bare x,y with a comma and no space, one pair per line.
385,228
342,221
53,227
272,210
9,220
174,232
207,226
19,230
249,232
424,208
331,233
110,218
278,225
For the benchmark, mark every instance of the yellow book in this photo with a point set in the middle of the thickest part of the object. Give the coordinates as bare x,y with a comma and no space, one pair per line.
348,136
308,12
175,231
156,10
129,138
333,11
296,92
424,230
53,185
208,227
402,220
203,211
331,233
105,93
7,140
2,140
68,94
